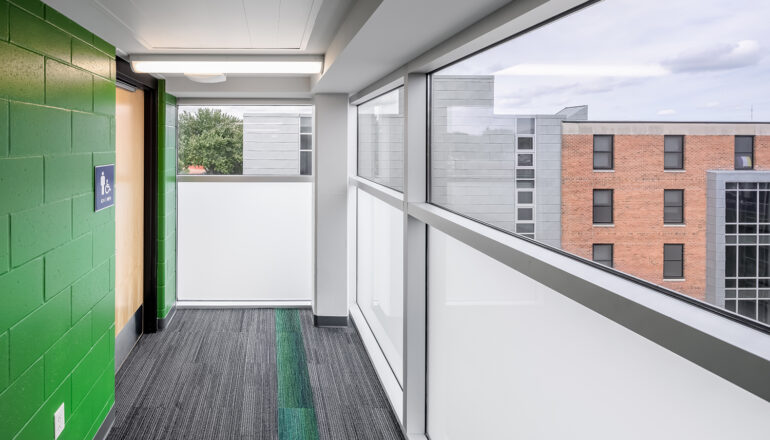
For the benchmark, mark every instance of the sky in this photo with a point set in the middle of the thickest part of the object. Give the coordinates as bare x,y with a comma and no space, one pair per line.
662,60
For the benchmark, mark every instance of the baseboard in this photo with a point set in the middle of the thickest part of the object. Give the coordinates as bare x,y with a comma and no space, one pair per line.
127,338
330,321
165,322
259,304
104,429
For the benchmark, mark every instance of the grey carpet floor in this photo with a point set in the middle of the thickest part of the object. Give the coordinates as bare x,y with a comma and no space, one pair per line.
212,375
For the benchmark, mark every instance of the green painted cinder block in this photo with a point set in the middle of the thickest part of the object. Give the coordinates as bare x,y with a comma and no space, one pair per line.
67,175
68,87
5,248
90,132
104,46
62,357
91,410
20,401
84,217
31,337
104,158
3,361
4,135
103,315
87,291
36,130
21,74
90,58
104,96
21,184
55,17
85,374
3,20
21,292
34,6
33,33
66,264
104,243
40,427
39,230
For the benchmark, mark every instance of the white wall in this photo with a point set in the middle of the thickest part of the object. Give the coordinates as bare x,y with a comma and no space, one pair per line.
245,241
510,358
332,134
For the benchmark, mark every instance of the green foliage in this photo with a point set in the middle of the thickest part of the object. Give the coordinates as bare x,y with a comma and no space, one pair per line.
212,139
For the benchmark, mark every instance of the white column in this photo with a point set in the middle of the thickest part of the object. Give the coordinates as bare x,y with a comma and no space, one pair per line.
332,135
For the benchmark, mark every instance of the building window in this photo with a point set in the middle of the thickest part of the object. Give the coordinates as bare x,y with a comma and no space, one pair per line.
673,261
381,122
602,206
305,145
744,152
747,249
673,206
603,146
673,155
602,254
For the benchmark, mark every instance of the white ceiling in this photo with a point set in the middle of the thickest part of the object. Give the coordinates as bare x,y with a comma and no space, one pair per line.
210,26
362,40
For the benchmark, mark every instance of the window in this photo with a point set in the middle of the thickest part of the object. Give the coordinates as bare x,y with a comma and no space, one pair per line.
245,140
602,254
744,152
603,146
673,206
305,146
673,155
511,129
673,261
602,206
381,140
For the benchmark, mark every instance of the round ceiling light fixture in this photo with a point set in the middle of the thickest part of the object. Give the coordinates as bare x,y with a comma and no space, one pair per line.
207,78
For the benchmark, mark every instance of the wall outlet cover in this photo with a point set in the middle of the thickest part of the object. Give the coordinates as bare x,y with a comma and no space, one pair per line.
58,422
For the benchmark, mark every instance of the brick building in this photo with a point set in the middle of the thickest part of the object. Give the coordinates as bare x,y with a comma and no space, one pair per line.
635,188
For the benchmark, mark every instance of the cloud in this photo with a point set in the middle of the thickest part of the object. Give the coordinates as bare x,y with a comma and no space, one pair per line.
722,57
666,112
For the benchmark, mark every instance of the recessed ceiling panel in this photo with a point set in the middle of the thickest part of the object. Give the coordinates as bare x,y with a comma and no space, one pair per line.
223,24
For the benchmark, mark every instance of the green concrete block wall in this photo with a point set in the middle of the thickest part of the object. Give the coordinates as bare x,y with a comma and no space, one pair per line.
57,319
166,201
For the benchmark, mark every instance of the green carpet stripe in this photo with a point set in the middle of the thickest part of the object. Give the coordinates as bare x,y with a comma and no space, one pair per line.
296,412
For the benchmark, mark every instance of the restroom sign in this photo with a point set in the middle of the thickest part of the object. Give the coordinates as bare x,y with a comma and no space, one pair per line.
104,186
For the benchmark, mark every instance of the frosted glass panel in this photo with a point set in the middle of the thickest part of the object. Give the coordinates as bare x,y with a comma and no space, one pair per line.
511,358
243,241
381,275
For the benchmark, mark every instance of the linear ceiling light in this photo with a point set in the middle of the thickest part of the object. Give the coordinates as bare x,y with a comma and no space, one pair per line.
225,65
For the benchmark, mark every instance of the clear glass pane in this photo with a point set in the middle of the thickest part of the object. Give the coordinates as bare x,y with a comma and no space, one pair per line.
241,139
615,99
381,140
525,125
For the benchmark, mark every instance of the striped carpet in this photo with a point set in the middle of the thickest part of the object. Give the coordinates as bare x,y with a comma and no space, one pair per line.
250,374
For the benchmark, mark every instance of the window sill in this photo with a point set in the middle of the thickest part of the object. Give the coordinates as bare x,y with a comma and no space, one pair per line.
674,225
674,280
603,171
674,171
604,225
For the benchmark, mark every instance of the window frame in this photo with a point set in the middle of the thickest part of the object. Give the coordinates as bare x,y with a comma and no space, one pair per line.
611,206
680,206
611,247
679,153
611,152
735,152
680,260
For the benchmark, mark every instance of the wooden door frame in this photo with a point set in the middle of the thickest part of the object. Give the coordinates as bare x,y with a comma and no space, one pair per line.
149,85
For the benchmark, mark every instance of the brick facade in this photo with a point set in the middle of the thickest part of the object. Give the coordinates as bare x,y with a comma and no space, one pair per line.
638,181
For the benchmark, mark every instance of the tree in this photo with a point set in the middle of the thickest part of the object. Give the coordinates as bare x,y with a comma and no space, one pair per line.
211,139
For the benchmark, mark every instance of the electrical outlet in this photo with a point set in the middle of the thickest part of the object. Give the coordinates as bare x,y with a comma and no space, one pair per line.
58,422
